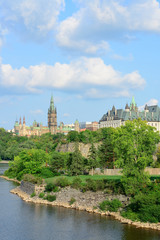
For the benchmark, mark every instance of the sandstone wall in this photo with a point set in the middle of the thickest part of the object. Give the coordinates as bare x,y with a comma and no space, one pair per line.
113,172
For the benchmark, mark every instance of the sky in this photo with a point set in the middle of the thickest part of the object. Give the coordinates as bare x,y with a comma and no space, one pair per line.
90,55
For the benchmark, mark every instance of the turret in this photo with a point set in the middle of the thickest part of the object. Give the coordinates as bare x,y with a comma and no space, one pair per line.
52,117
24,121
133,105
127,109
76,125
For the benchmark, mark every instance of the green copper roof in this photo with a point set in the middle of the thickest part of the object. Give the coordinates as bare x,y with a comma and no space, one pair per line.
76,121
16,124
133,101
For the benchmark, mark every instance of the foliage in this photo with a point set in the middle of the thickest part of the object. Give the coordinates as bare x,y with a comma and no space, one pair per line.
145,207
106,149
94,185
62,182
92,157
49,187
77,165
33,194
135,143
46,172
31,178
73,136
76,183
11,145
134,181
50,198
111,206
58,161
28,162
41,195
72,200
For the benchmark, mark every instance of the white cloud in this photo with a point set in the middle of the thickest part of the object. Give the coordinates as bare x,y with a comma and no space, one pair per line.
122,58
99,22
32,18
79,76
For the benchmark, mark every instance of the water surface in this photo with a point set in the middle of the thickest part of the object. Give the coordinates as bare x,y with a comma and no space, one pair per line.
26,221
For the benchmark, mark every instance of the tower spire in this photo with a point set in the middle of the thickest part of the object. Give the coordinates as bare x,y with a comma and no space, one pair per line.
24,121
52,103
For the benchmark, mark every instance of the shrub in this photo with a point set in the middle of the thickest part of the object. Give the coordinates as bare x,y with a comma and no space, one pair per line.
111,206
56,189
144,207
77,183
50,198
31,178
91,185
46,172
114,205
33,194
72,200
49,187
95,185
41,195
103,205
130,215
62,182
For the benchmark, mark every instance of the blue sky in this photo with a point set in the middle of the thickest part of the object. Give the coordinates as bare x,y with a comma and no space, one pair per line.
88,54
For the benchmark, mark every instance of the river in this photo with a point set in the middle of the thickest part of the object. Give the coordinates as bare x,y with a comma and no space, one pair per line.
26,221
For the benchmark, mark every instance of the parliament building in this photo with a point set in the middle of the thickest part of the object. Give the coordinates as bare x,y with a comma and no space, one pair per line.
117,117
21,129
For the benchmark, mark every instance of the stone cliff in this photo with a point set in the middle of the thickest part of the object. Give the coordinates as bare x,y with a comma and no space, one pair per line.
69,147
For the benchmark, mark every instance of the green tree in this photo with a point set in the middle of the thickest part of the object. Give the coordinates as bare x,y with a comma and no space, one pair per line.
135,143
58,161
92,157
106,149
27,162
73,136
77,165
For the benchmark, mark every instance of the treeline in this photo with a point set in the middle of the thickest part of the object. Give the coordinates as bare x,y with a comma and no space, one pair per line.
11,145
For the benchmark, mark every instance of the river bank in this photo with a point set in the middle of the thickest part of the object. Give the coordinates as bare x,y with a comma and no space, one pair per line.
10,179
4,161
84,206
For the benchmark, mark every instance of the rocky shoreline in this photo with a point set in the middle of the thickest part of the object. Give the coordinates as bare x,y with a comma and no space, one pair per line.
10,179
84,202
83,207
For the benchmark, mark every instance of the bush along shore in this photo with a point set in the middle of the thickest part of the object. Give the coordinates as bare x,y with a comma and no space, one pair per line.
97,202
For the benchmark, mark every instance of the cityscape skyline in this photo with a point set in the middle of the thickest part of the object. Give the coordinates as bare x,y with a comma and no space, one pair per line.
90,54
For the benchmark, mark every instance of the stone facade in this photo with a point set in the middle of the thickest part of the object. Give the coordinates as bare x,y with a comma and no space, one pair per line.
37,129
117,117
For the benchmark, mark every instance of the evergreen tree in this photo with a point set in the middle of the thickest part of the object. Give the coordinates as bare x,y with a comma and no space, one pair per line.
92,157
106,149
77,165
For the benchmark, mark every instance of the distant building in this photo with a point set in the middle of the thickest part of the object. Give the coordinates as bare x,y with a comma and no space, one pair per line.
38,129
117,117
92,126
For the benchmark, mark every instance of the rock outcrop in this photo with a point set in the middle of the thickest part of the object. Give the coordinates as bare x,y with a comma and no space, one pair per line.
83,201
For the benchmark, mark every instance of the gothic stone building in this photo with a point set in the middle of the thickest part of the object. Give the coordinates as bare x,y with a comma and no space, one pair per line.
117,117
38,129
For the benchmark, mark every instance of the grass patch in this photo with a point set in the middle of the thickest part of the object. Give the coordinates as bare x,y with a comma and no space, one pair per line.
83,178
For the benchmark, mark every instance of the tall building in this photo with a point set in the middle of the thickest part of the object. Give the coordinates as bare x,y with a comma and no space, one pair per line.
117,117
37,129
52,117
